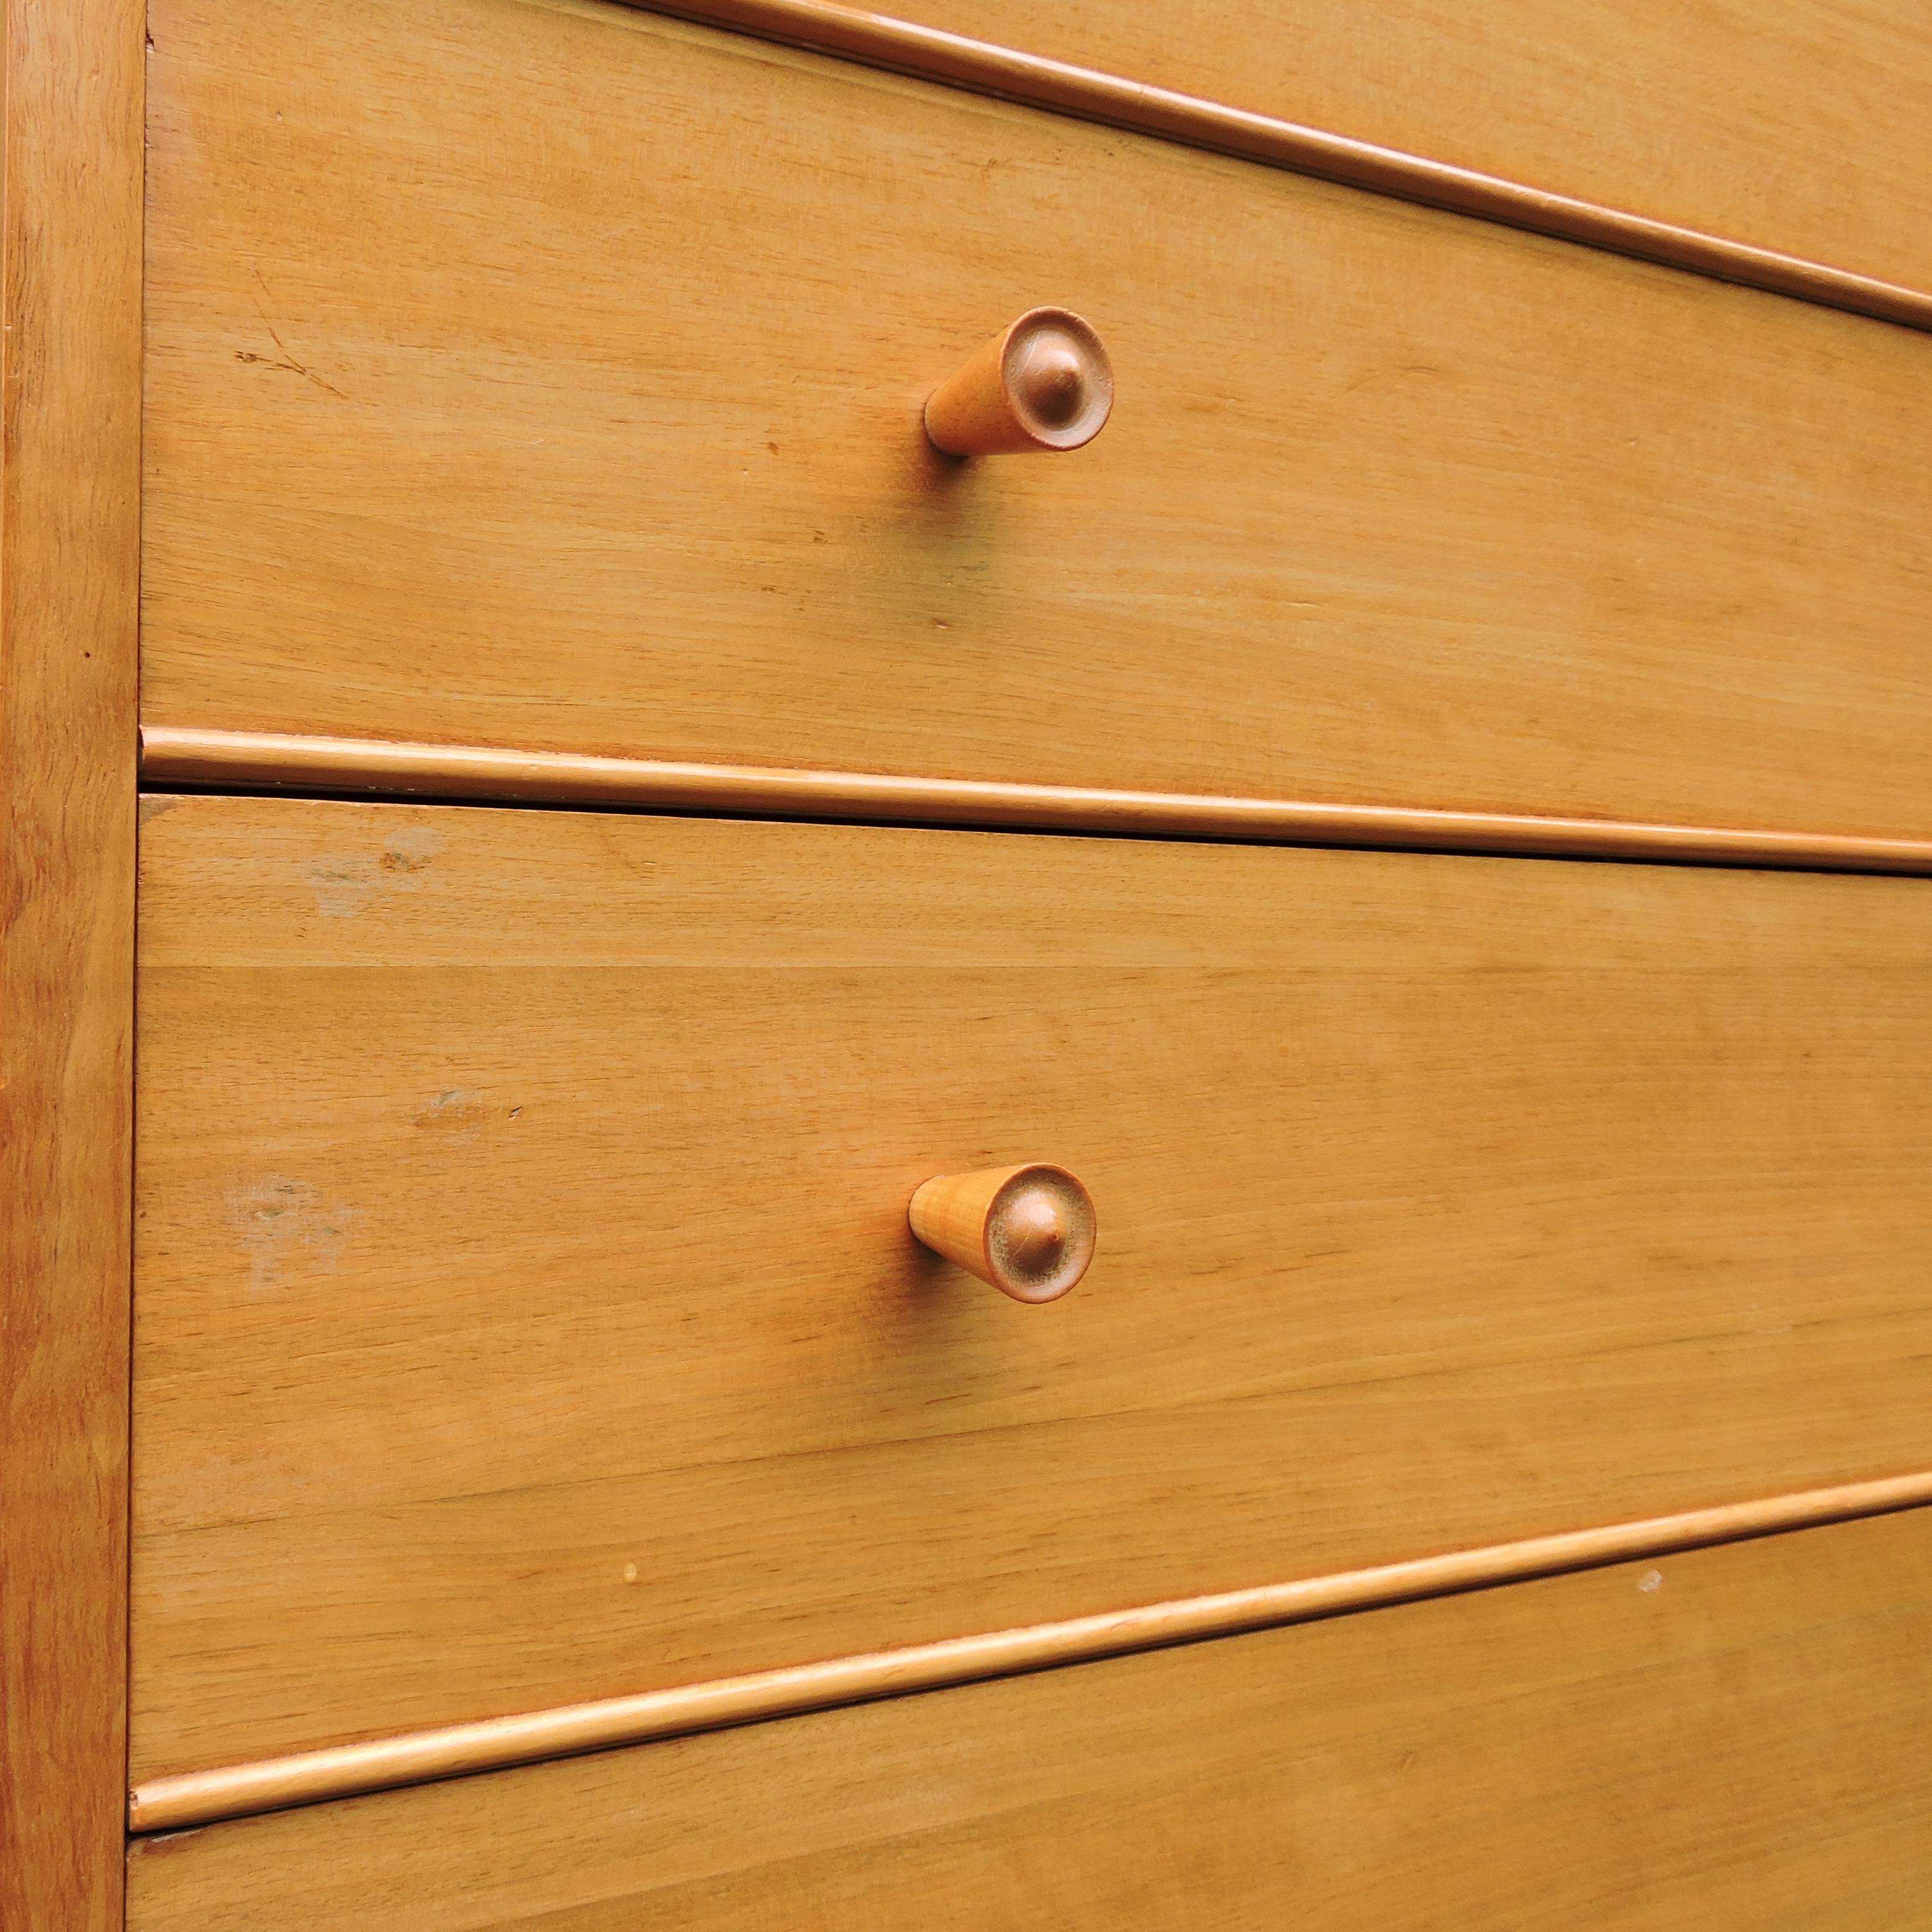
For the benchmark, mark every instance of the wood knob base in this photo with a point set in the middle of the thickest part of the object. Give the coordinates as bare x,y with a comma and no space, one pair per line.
1029,1231
1043,382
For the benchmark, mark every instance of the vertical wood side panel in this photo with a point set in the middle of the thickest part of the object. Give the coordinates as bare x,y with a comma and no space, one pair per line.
71,214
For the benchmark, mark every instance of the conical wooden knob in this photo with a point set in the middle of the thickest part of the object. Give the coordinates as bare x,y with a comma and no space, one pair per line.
1028,1230
1043,382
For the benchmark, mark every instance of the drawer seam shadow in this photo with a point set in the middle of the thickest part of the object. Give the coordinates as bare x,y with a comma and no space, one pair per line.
190,758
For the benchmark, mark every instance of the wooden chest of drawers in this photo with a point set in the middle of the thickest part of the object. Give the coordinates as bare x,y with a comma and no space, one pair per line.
1425,820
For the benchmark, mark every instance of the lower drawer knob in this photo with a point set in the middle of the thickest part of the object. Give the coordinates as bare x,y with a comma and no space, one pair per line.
1043,382
1029,1230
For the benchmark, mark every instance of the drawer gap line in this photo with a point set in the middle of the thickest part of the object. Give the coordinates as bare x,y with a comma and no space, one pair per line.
1085,94
191,759
174,1802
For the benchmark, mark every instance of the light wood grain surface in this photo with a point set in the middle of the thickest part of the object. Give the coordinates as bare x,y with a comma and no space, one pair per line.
1798,128
1117,101
899,45
70,119
594,427
1730,1738
527,1312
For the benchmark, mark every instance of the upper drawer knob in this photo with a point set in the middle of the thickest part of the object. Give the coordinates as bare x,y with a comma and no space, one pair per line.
1029,1230
1043,382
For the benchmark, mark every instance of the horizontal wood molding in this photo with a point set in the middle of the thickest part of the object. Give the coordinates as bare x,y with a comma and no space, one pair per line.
198,1798
930,53
1727,1737
270,761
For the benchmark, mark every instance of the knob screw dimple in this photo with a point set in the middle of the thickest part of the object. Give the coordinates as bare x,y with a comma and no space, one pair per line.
1043,382
1036,1230
1050,383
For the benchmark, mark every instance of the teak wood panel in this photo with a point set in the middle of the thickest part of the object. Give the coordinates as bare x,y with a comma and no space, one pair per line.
71,126
1734,1737
594,427
526,1312
1798,128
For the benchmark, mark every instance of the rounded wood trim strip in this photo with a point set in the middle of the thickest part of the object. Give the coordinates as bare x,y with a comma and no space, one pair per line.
929,53
232,1791
261,760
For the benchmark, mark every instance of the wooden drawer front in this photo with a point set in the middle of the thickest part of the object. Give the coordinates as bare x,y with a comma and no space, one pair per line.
525,1310
594,426
1800,129
1734,1737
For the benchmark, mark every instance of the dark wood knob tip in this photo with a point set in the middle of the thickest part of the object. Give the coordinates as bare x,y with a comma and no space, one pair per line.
1050,382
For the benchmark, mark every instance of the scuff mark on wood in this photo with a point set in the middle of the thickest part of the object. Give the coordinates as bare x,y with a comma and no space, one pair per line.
344,883
287,1230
